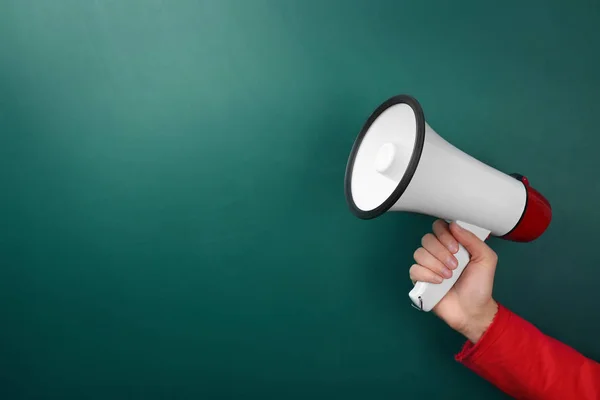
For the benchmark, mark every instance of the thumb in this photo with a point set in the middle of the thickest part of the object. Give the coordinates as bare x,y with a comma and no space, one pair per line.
478,250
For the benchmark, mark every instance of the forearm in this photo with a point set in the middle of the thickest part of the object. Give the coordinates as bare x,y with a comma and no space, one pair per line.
523,362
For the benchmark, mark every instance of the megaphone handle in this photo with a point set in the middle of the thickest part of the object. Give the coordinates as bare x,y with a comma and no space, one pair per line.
426,295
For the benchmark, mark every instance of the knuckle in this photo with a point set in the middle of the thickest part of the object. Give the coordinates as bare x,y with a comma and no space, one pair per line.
413,269
418,252
427,239
440,223
413,272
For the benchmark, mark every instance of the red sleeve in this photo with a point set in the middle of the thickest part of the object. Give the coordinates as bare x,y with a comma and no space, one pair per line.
526,364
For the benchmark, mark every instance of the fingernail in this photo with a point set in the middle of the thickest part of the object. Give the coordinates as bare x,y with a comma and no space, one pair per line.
438,279
447,273
452,263
453,247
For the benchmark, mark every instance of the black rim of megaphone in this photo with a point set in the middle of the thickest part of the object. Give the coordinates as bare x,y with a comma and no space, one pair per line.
412,165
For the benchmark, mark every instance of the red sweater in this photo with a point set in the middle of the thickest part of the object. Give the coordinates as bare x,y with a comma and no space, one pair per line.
526,364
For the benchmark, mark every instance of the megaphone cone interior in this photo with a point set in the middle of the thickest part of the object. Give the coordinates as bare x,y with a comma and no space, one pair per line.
385,156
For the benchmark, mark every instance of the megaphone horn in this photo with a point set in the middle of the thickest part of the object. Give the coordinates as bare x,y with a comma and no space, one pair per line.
399,163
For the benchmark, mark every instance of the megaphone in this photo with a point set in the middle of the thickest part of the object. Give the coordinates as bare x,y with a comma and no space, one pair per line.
399,163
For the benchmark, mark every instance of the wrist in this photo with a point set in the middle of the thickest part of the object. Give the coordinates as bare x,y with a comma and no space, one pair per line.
479,323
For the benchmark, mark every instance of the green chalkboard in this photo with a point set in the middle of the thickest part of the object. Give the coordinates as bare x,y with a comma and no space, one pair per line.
172,214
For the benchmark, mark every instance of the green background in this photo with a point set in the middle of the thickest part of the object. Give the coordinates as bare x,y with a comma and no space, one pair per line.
172,216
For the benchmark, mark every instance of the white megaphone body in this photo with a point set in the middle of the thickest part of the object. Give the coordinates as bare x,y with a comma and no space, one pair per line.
398,163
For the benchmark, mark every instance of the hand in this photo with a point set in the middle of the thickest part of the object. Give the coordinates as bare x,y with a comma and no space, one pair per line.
468,307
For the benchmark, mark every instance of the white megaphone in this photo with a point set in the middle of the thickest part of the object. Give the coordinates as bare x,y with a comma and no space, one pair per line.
398,163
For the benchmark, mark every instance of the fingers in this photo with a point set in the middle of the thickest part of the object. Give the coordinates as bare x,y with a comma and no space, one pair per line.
428,260
435,256
442,232
420,273
433,245
435,260
476,247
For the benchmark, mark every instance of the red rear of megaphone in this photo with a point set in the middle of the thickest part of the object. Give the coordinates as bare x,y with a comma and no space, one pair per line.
399,163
